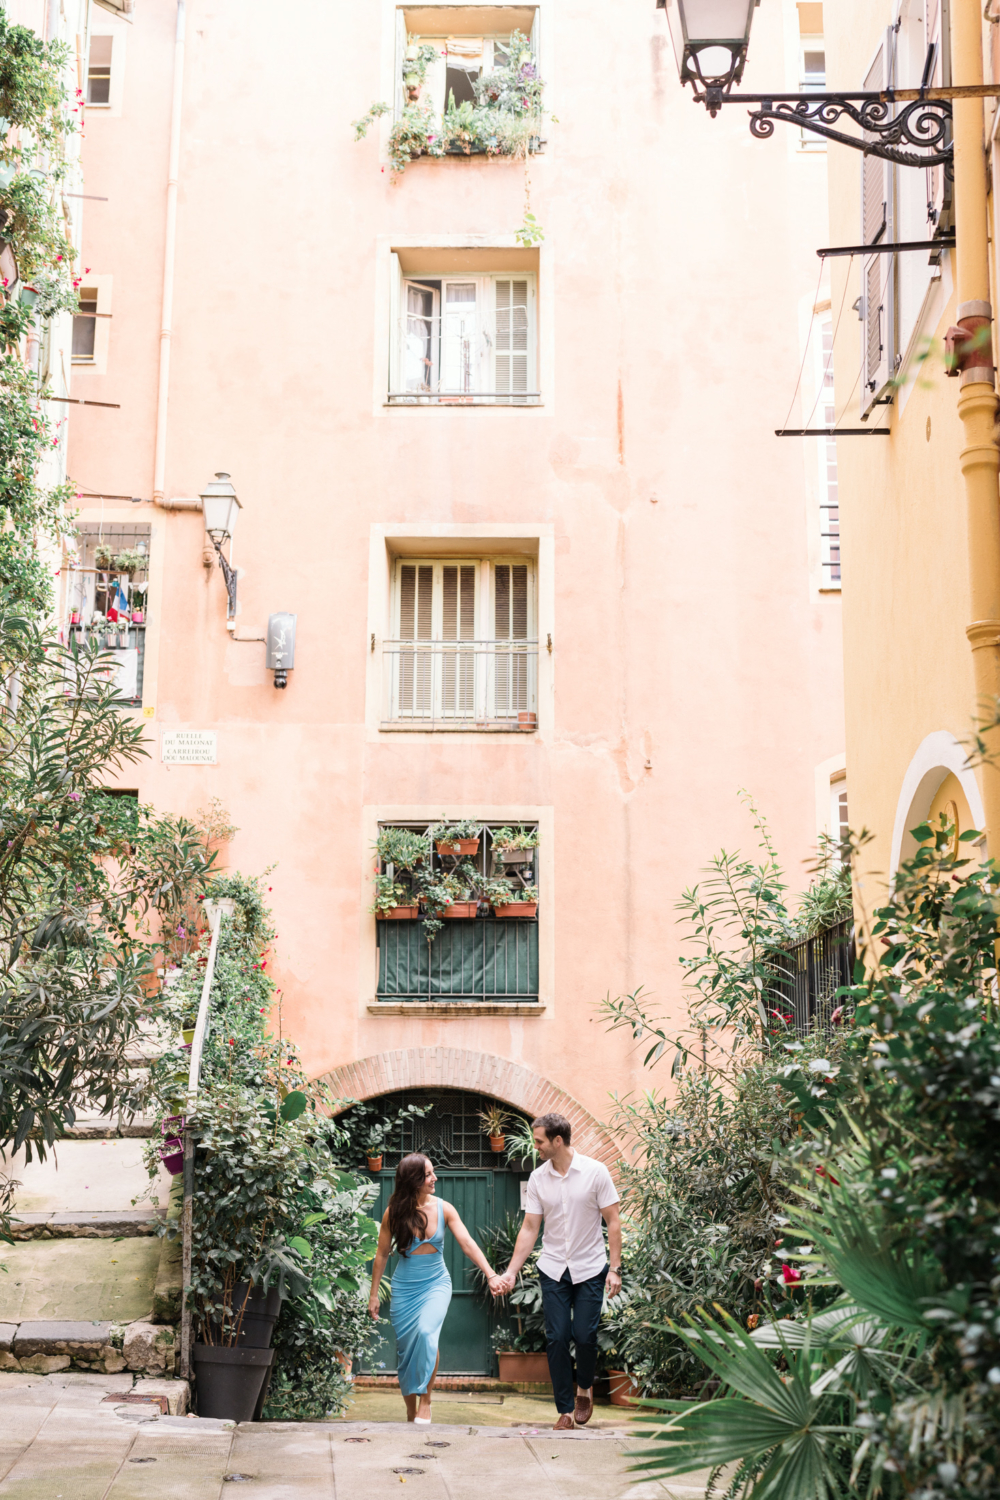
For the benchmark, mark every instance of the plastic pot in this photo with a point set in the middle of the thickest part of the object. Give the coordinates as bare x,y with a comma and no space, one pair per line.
497,1142
172,1156
461,909
517,856
516,909
464,847
374,1163
230,1380
259,1316
187,1035
401,914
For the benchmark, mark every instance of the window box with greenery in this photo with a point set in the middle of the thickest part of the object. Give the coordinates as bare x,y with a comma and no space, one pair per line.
458,949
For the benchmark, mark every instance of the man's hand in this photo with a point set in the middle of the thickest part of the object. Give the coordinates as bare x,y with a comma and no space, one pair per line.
497,1285
507,1282
613,1285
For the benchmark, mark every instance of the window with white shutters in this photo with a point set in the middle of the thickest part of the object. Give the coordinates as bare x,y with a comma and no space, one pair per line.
463,340
464,651
937,73
878,272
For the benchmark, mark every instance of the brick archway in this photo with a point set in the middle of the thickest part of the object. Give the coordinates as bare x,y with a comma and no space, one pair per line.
456,1068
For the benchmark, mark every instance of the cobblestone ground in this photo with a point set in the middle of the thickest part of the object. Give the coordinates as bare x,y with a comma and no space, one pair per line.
61,1438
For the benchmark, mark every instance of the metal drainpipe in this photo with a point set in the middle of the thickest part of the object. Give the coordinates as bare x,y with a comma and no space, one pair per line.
169,249
216,910
977,401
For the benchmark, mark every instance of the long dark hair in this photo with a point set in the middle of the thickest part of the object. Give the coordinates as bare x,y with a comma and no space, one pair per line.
406,1220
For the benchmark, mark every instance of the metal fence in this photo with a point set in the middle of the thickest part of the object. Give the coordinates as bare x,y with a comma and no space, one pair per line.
460,683
808,975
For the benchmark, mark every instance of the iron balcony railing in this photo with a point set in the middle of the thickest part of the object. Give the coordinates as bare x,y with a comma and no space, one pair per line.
461,684
808,975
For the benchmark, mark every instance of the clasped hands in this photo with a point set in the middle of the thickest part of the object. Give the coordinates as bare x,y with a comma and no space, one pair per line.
501,1285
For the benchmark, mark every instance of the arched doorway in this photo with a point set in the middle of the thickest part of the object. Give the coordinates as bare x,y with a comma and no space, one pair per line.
484,1189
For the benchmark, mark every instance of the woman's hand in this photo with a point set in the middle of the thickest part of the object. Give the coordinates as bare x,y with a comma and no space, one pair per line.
373,1307
497,1285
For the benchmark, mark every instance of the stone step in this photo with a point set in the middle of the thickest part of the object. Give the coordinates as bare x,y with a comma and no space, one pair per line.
113,1224
83,1177
80,1280
46,1345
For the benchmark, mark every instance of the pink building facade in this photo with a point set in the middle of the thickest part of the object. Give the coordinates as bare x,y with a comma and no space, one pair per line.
549,565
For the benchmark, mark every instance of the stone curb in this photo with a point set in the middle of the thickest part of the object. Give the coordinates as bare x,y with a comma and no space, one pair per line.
46,1346
126,1223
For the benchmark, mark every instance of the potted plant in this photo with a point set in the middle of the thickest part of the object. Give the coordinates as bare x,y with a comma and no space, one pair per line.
457,839
393,901
522,903
624,1388
416,61
516,846
402,848
519,1339
494,1119
104,555
130,561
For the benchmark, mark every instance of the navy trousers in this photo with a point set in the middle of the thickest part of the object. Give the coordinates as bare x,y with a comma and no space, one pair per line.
572,1313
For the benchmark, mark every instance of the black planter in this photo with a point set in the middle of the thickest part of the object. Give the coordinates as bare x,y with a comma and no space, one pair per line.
230,1380
259,1317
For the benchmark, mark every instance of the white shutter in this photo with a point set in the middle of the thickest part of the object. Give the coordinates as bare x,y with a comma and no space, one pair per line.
395,322
511,337
937,35
413,673
512,689
461,342
458,623
878,272
398,101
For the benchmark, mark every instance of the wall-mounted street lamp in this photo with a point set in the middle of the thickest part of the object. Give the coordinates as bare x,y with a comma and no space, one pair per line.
710,40
221,507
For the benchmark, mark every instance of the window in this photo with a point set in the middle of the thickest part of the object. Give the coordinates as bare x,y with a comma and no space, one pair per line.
463,55
878,272
464,339
85,327
829,511
464,648
99,70
482,957
839,824
812,66
106,598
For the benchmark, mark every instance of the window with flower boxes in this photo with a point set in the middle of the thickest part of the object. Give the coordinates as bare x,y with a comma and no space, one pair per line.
456,909
107,584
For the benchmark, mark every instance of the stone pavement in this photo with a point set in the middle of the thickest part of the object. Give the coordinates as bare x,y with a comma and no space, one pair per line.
61,1439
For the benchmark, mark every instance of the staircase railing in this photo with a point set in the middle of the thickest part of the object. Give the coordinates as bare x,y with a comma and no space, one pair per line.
215,910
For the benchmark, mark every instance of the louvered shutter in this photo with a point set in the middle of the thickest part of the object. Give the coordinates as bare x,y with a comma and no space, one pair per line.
510,623
511,337
416,601
937,35
458,623
878,272
395,323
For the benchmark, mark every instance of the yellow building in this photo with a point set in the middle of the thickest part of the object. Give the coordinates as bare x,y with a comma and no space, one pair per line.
918,496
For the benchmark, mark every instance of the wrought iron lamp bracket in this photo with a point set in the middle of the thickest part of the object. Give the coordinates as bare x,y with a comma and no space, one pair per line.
920,122
229,574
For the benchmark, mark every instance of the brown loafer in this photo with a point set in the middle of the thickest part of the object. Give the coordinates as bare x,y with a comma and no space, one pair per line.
565,1422
584,1409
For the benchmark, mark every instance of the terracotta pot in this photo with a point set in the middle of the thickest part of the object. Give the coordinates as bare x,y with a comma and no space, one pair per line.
526,1369
526,720
624,1387
516,909
400,914
462,909
466,848
412,92
497,1142
345,1361
374,1163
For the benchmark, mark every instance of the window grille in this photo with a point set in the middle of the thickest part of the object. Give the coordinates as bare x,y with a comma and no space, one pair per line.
451,1133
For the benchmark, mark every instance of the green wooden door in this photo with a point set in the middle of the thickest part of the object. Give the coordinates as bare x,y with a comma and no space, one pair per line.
479,1197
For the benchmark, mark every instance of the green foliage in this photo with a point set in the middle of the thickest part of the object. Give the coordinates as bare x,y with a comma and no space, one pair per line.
365,1130
516,838
520,1324
449,833
403,848
85,884
389,894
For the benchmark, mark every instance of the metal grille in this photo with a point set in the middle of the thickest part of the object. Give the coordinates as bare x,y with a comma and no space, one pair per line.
473,683
451,1134
810,973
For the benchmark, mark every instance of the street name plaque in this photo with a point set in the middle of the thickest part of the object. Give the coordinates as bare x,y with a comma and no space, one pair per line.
189,747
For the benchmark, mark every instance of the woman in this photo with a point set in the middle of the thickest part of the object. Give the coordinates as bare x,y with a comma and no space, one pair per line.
413,1225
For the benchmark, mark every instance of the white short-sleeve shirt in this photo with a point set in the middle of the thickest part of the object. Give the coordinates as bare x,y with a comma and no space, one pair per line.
573,1234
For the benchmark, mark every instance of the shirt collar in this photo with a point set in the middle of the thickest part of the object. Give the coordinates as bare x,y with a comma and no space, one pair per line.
573,1167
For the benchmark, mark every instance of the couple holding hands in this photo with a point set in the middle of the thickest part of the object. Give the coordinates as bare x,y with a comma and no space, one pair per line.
572,1194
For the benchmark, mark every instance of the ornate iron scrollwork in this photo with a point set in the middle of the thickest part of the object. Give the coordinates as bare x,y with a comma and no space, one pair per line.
922,122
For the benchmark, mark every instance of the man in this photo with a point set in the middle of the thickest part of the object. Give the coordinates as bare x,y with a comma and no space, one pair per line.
572,1193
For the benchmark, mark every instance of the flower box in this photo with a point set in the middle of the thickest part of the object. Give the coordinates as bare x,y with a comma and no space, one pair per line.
400,914
517,856
525,719
461,909
516,909
524,1369
465,848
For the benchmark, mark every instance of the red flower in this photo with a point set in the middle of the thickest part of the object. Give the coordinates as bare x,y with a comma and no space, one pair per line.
822,1172
790,1274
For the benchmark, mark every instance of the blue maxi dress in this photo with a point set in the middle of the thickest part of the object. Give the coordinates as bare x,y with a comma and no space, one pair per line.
421,1294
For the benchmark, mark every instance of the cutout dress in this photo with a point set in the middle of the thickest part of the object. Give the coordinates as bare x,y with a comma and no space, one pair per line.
421,1294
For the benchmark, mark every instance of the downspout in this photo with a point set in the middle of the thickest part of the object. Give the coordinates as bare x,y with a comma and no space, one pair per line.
216,910
977,400
169,249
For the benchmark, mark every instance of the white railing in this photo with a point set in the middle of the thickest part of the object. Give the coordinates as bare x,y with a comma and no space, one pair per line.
474,684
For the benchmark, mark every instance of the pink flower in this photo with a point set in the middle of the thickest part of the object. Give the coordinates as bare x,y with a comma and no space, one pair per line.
790,1275
74,796
837,1016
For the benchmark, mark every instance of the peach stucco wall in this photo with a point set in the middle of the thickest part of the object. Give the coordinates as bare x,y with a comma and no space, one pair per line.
693,653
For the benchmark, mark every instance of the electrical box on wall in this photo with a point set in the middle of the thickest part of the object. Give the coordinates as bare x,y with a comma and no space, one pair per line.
281,646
